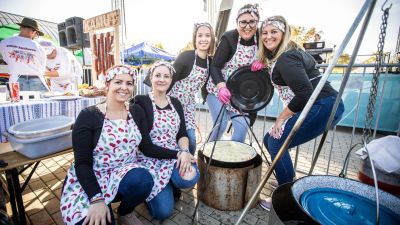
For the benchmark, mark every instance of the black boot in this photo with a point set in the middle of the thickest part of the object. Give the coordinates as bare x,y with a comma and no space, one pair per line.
177,193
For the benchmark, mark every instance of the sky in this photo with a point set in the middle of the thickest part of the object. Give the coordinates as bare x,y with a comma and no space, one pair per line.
171,22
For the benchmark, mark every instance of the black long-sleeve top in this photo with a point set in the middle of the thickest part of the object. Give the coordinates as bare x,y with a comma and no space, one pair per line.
295,68
144,102
85,135
183,65
226,49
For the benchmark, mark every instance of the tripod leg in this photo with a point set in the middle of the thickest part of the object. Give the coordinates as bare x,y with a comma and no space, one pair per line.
222,114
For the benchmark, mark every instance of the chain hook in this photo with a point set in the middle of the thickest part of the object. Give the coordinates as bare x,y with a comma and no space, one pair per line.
383,5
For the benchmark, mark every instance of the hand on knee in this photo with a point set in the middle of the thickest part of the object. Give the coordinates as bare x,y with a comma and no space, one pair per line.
191,174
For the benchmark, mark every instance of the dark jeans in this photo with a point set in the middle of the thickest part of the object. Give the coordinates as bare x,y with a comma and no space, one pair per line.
192,140
313,126
133,189
162,205
31,83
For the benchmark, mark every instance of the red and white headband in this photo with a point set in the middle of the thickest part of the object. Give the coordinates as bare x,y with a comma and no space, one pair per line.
118,70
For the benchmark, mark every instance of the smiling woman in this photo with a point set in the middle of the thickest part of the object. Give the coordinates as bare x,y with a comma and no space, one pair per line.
237,48
192,73
294,74
106,166
167,122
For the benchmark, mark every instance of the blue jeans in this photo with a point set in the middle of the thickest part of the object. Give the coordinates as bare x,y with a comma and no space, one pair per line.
192,140
239,123
31,83
313,126
162,205
133,190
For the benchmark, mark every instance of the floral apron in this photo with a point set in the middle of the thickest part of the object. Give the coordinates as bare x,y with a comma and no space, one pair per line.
186,89
244,56
163,133
285,94
113,156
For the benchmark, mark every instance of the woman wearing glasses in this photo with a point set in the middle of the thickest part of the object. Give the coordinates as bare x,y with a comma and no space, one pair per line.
294,75
237,48
192,72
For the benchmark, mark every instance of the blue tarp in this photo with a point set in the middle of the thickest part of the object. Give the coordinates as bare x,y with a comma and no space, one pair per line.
144,50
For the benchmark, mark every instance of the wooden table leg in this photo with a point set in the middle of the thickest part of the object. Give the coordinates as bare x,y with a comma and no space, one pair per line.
11,192
17,205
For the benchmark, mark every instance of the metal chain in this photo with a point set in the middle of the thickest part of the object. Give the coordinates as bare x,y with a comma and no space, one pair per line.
375,79
367,130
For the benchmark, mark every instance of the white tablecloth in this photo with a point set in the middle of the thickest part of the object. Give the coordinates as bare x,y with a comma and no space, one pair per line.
13,113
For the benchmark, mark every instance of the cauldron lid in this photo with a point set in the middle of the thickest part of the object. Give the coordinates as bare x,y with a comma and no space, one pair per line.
251,91
334,206
316,182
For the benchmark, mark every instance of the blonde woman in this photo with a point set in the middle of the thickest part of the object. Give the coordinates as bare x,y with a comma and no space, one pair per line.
294,75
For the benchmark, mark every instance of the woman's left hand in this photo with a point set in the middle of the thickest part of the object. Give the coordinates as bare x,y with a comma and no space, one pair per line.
184,162
277,130
257,65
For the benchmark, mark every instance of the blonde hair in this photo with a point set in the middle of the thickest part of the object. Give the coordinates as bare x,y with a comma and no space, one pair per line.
285,45
211,49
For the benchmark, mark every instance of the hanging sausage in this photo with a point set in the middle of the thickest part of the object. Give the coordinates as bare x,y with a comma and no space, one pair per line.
103,52
95,53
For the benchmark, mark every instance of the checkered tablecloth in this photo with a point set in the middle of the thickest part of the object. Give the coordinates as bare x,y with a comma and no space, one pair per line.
13,113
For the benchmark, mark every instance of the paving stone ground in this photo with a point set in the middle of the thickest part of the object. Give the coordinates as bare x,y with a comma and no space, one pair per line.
41,196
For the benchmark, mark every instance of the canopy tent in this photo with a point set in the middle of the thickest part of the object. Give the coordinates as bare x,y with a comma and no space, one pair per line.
145,51
8,31
49,28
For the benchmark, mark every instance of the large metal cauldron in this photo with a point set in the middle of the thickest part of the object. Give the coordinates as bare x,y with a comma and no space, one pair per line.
232,177
290,205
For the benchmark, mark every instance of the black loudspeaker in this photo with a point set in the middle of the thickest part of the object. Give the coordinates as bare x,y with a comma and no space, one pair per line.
314,45
76,39
62,34
251,91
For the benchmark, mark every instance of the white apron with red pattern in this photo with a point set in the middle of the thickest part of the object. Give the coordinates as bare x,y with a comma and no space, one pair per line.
163,133
113,156
285,94
244,56
186,90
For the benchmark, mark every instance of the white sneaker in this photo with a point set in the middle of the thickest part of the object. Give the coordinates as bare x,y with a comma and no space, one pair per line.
273,183
266,203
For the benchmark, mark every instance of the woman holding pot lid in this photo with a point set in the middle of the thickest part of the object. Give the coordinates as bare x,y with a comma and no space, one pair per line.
294,75
237,48
106,138
192,72
166,119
